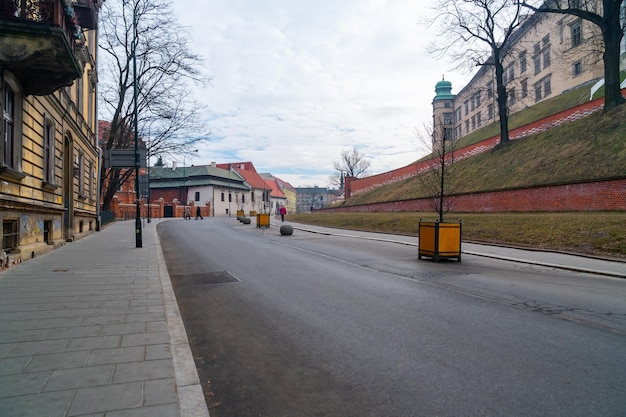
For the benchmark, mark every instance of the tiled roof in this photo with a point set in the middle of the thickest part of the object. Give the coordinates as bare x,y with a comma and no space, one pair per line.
248,172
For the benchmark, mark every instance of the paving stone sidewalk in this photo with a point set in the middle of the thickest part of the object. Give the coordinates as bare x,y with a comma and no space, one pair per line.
93,329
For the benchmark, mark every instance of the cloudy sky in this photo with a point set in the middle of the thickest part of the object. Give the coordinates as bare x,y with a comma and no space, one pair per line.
295,82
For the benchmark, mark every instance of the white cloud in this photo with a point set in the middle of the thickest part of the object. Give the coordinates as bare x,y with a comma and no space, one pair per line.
295,82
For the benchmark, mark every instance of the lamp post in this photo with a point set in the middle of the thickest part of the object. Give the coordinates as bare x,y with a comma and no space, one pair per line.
138,238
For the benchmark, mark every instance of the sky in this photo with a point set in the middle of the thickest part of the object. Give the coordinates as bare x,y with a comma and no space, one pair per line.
295,82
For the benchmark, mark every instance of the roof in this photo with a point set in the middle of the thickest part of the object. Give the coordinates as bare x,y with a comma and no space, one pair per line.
202,175
276,191
249,174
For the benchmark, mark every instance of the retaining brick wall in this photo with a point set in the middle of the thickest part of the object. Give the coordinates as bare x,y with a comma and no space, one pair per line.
609,195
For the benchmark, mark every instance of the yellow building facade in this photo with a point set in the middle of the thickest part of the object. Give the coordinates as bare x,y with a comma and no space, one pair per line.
48,155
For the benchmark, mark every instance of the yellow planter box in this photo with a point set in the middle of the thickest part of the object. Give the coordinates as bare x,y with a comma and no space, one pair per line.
252,213
240,213
439,240
263,220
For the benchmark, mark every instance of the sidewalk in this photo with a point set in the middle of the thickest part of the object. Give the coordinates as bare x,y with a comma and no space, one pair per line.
534,257
93,329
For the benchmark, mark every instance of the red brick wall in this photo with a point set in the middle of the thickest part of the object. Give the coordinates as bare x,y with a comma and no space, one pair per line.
356,186
607,195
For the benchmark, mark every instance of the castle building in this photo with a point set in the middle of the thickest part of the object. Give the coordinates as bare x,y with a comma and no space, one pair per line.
48,153
549,54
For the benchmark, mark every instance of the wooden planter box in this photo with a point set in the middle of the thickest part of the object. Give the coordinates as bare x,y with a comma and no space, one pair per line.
240,213
439,240
263,220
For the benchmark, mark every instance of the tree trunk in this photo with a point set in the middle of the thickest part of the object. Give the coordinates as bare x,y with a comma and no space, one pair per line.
612,34
503,111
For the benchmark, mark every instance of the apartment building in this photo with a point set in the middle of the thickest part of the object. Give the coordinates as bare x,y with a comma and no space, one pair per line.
549,54
48,154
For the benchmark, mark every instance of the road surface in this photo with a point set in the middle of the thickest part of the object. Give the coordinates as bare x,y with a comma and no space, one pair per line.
315,325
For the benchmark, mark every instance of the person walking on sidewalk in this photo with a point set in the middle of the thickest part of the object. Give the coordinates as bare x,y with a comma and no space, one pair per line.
282,212
199,213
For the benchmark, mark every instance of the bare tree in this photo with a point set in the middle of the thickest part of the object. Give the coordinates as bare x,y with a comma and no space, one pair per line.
605,14
480,32
352,163
439,180
168,121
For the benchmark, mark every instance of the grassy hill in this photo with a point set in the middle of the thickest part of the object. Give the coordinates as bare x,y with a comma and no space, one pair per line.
590,148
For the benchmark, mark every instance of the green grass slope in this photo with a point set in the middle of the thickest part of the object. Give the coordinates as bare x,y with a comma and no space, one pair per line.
589,149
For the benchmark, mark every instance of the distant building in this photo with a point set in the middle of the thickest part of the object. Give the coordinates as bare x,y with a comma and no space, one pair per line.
283,193
221,190
260,191
311,198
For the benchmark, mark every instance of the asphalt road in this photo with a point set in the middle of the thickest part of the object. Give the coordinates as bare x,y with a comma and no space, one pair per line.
314,325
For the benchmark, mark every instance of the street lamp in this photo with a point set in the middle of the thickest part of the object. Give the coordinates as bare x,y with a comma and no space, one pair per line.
138,238
185,180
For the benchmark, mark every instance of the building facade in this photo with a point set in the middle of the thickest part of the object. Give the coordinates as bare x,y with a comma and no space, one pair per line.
221,190
549,54
49,155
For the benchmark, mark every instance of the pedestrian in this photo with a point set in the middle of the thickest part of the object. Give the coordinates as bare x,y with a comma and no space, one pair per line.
199,213
187,214
282,211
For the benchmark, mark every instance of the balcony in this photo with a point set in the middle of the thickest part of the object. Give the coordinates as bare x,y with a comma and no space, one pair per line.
41,42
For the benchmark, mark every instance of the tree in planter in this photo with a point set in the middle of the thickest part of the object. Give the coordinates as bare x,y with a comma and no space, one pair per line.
440,180
239,202
439,240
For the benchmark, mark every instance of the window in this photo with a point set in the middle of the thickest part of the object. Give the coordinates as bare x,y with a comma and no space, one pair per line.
546,58
512,96
48,152
230,198
489,90
490,111
522,62
222,196
8,128
547,87
545,41
243,199
92,180
10,234
524,85
576,30
447,118
537,64
466,127
473,122
577,68
538,91
509,73
478,99
466,103
197,196
81,173
479,119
